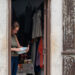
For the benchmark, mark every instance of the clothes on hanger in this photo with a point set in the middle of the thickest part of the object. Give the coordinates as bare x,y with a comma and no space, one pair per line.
37,30
40,49
33,51
37,54
37,58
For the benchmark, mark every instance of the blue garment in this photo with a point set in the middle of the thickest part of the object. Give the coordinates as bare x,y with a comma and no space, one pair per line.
14,65
37,67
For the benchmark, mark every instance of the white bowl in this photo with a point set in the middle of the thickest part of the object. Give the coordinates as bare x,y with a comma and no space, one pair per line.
23,50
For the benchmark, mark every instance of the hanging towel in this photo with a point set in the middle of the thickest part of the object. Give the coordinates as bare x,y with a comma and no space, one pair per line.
37,30
40,48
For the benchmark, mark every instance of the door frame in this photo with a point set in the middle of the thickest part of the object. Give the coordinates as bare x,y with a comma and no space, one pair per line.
47,34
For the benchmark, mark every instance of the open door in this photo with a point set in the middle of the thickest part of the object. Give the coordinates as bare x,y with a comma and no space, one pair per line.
46,37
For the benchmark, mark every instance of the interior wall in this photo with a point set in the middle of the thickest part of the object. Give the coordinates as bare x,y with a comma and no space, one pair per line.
3,37
56,37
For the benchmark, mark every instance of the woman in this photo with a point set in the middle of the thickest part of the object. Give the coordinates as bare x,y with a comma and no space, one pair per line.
15,47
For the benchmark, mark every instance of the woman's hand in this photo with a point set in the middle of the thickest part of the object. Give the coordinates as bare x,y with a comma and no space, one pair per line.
27,50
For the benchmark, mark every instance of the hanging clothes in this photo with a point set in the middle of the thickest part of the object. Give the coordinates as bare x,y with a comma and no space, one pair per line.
37,59
40,48
37,30
33,51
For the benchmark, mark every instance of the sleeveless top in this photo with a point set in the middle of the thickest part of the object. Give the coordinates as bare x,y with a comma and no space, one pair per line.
13,45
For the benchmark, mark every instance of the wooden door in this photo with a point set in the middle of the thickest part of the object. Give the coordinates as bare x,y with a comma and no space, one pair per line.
68,37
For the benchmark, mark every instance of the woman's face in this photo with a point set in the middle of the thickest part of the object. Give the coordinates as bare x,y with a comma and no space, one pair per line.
14,31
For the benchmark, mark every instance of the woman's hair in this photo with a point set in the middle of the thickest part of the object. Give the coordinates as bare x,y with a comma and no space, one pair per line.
15,25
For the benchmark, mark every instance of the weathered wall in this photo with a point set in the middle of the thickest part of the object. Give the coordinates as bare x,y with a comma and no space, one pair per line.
3,37
56,37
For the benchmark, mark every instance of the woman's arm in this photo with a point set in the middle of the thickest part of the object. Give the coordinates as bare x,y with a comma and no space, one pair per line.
17,42
15,49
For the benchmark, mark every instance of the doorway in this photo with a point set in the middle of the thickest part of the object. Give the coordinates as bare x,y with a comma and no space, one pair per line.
46,44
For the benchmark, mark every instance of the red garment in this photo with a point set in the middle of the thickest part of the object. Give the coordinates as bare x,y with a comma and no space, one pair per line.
40,48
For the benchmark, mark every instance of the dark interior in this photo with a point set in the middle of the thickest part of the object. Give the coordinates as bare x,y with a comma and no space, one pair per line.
23,12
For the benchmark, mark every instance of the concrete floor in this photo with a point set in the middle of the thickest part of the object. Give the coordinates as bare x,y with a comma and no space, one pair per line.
21,73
